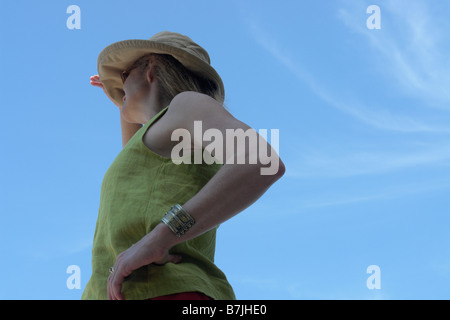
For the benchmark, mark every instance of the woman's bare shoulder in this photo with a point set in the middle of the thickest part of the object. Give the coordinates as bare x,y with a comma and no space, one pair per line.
190,105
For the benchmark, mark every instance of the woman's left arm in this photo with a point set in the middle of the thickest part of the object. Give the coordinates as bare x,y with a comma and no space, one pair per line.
231,190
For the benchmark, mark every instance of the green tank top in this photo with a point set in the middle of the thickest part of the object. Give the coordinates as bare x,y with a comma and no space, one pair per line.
138,188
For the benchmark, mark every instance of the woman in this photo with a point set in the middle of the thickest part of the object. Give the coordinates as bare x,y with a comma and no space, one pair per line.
156,228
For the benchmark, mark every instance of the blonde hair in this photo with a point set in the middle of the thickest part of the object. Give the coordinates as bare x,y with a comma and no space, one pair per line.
175,78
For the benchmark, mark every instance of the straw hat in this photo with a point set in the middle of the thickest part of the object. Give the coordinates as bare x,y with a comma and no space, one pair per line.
118,56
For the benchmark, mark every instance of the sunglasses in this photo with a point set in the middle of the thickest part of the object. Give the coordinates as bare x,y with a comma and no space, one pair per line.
124,75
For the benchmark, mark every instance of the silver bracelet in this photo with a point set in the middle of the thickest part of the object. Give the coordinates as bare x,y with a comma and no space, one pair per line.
178,220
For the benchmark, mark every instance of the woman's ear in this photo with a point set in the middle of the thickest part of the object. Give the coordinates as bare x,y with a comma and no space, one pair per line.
150,74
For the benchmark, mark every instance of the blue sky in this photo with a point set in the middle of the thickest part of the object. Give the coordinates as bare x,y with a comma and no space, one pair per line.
363,119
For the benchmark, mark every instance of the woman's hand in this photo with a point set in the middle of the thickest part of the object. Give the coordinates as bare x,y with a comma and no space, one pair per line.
95,81
148,250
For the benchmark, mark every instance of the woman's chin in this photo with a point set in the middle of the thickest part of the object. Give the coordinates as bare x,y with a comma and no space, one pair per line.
129,116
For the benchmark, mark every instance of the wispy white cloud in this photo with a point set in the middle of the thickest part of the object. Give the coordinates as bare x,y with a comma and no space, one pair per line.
412,58
388,192
316,163
378,117
357,191
381,118
430,79
410,47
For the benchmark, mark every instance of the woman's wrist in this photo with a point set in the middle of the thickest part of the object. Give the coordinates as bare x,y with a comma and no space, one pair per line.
162,236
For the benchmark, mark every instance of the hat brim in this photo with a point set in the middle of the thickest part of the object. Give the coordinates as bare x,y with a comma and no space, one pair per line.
118,56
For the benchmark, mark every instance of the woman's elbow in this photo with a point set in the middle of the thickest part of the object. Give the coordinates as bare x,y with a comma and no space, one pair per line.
276,169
